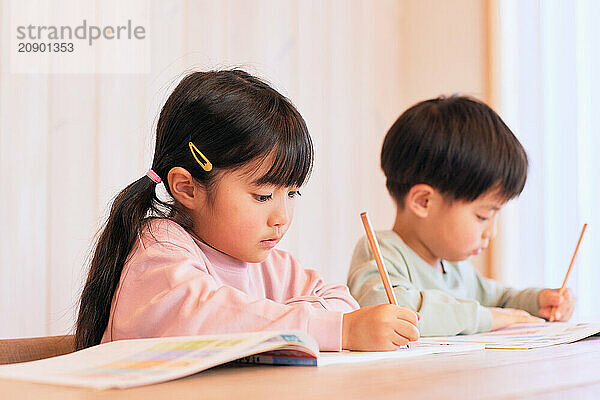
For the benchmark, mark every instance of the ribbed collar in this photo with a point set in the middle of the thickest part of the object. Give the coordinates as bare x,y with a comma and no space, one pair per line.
410,256
219,258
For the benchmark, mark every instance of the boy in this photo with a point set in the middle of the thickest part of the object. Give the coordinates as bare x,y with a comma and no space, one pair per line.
451,164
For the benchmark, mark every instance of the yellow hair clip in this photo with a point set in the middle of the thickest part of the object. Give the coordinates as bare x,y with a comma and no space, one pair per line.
206,165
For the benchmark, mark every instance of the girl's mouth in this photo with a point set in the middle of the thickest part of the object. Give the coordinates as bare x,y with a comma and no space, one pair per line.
269,243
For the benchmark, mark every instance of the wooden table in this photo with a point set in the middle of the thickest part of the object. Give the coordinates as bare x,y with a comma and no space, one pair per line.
561,372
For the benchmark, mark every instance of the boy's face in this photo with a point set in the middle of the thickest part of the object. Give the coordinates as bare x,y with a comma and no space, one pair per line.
457,230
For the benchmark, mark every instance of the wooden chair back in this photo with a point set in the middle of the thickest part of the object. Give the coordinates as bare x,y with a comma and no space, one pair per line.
29,349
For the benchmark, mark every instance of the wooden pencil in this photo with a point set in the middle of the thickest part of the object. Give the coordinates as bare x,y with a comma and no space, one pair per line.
562,288
385,278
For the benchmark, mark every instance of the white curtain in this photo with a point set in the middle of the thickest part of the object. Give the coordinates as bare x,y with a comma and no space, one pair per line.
549,94
69,143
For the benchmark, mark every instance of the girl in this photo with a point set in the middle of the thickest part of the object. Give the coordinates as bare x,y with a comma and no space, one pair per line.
232,153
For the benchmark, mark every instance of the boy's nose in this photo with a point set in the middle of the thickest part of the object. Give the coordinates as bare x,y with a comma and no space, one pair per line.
490,230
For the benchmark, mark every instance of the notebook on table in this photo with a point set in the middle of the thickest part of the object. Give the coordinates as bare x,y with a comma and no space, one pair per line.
526,336
137,362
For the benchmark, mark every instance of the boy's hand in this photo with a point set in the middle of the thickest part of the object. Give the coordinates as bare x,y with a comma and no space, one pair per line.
503,317
380,327
550,298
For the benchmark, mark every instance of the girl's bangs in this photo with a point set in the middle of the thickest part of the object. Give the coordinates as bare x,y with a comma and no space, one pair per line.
291,158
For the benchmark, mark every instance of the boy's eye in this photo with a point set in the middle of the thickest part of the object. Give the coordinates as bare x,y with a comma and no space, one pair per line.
263,197
294,193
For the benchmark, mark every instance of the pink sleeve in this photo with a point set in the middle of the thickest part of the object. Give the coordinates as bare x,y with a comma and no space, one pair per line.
306,285
169,292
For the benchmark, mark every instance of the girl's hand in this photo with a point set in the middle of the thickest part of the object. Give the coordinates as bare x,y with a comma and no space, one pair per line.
503,317
380,327
550,298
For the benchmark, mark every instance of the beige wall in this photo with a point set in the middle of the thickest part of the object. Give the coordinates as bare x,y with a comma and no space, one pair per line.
446,49
68,143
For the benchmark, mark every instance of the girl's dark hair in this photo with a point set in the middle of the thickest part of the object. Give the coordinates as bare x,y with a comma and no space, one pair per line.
458,145
233,118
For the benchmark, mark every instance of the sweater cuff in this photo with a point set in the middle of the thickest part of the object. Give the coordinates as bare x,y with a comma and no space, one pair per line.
529,301
484,320
326,327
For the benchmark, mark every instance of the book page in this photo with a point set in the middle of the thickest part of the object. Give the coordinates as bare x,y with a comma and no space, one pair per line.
128,363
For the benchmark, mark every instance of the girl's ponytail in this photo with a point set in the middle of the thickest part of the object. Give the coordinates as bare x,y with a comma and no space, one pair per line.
127,215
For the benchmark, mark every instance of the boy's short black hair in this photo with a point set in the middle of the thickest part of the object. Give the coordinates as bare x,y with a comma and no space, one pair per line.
458,145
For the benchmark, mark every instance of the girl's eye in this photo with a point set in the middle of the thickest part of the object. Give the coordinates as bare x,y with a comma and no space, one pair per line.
294,193
262,198
482,219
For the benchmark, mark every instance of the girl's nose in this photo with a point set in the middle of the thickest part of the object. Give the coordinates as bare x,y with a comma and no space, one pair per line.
279,215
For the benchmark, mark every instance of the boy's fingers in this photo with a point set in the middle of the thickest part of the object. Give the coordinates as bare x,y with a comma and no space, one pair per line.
535,320
569,298
553,299
545,312
557,315
568,313
565,311
524,316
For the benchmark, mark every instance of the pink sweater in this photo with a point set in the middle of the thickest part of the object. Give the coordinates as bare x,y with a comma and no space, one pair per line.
175,285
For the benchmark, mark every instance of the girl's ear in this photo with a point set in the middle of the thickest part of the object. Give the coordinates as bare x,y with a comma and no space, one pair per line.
184,189
419,198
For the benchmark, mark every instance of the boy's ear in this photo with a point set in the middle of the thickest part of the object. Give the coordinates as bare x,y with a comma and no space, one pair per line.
183,187
418,199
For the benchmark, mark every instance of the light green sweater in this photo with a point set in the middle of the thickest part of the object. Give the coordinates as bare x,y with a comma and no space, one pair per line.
450,303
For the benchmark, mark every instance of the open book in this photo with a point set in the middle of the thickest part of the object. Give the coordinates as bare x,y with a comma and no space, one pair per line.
525,336
137,362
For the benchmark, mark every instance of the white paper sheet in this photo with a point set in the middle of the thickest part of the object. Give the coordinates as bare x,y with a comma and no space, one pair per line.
416,349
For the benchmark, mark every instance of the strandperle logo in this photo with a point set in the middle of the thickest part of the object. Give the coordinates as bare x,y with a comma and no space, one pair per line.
83,32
